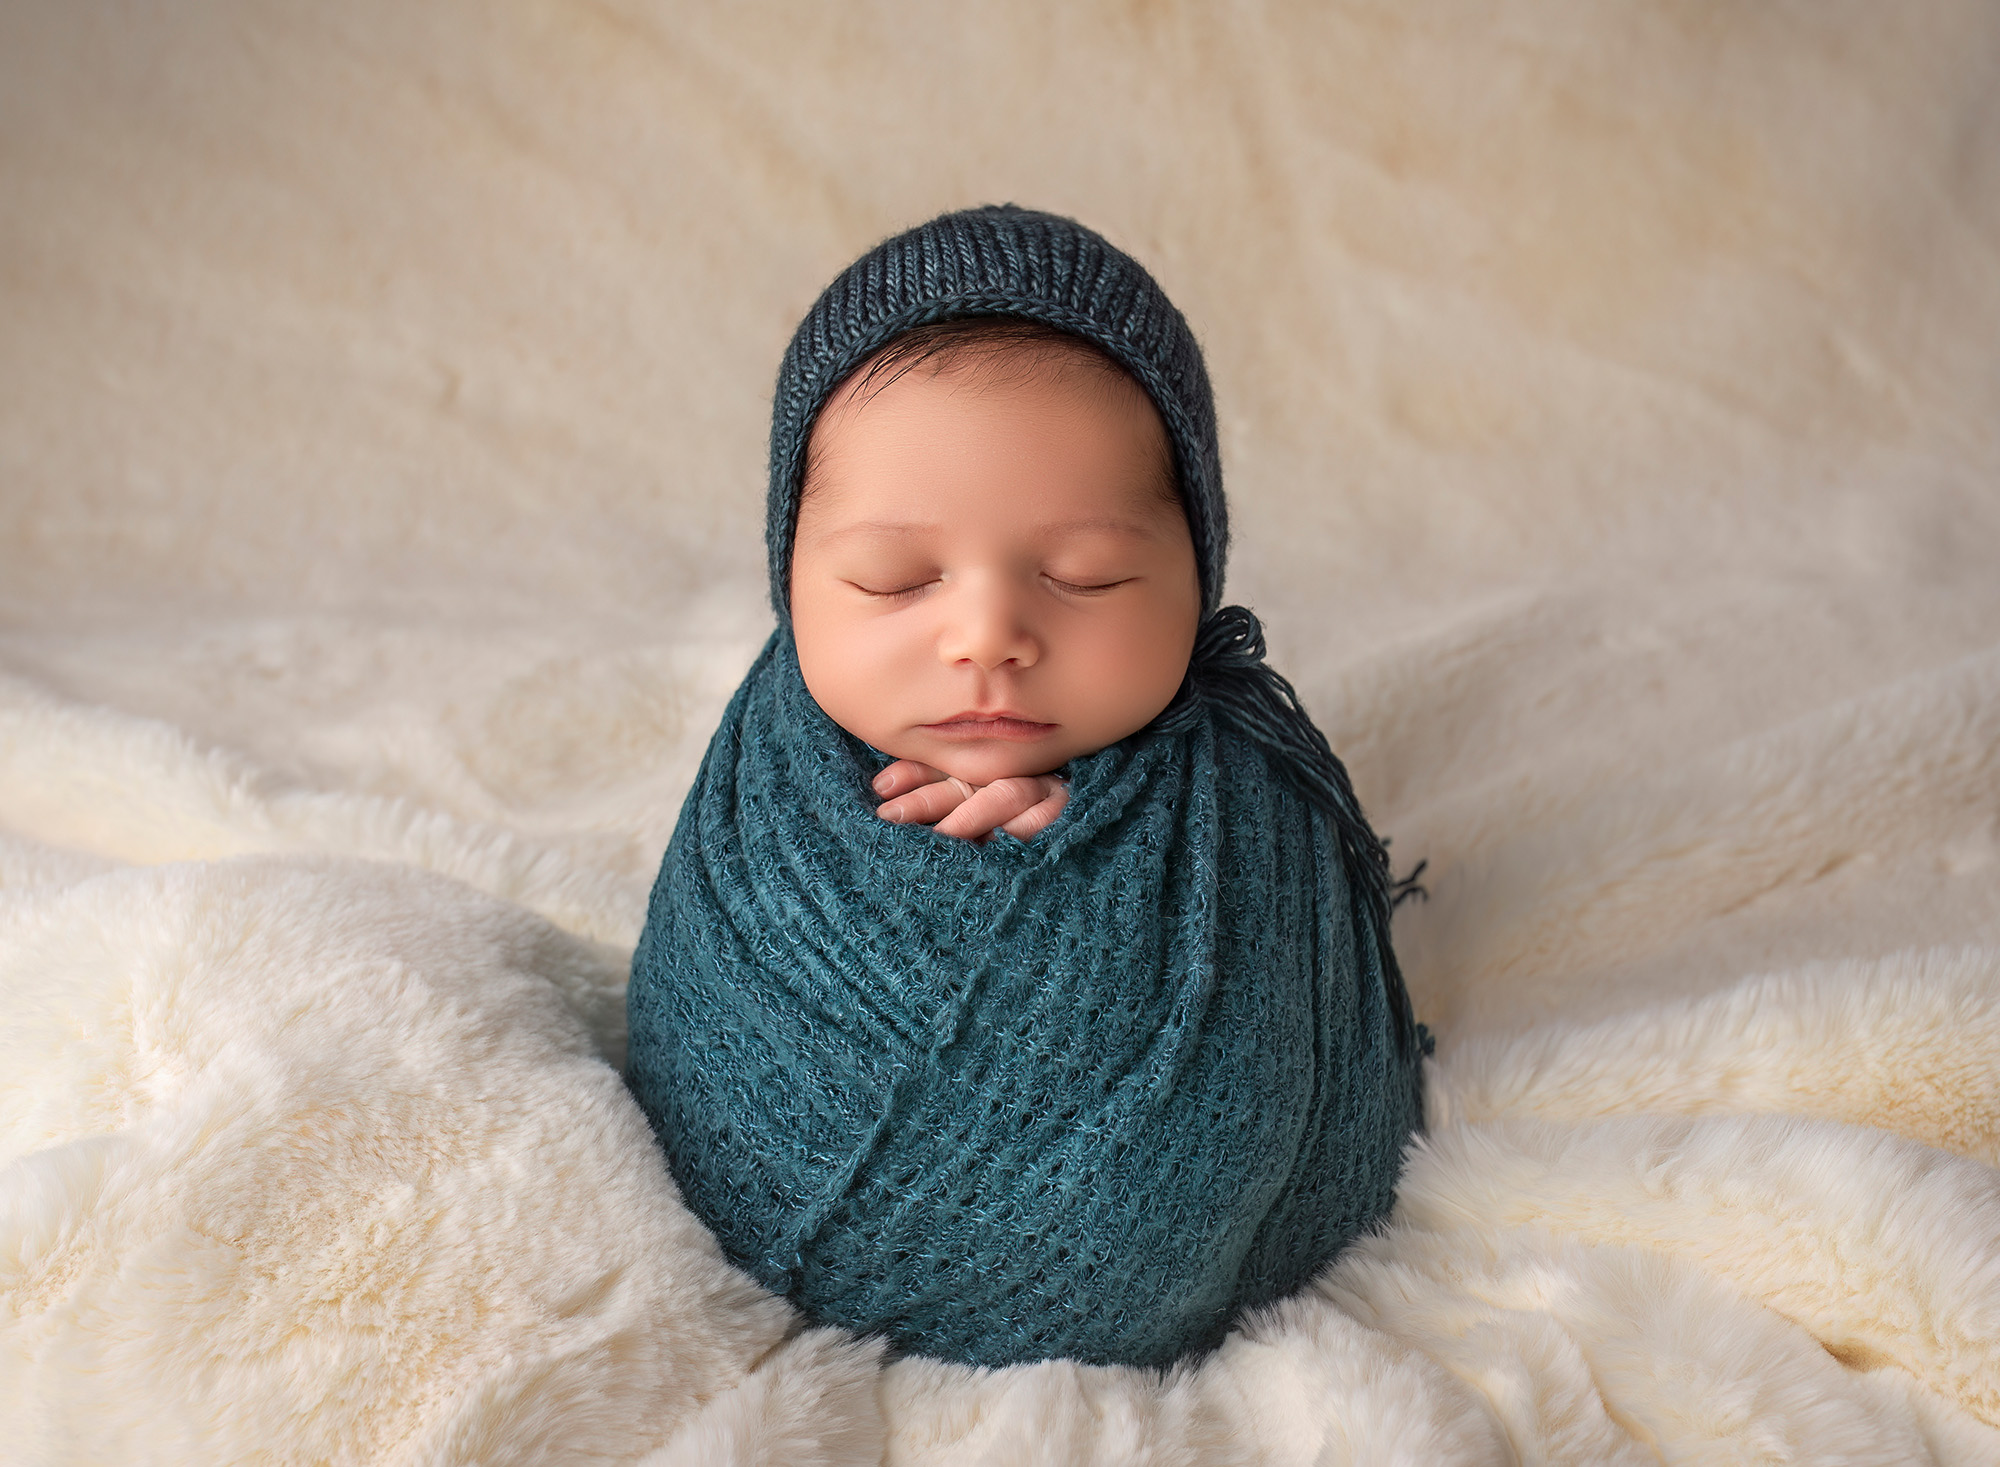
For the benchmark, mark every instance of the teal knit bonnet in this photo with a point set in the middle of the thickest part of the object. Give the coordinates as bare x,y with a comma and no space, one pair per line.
1002,261
1091,1095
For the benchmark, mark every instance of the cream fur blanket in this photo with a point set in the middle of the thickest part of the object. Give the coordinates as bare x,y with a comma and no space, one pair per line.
1611,400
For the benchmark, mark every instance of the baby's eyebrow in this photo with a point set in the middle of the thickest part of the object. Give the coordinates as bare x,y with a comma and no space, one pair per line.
1106,524
880,527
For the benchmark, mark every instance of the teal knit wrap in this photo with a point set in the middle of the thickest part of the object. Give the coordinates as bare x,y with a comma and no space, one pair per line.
1088,1096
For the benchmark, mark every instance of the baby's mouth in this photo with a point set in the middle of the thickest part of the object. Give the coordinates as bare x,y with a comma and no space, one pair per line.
972,726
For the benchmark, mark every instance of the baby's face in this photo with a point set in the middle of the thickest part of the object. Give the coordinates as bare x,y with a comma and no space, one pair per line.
989,575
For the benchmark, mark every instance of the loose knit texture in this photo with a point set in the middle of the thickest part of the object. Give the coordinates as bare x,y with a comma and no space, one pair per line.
1085,1096
1089,1096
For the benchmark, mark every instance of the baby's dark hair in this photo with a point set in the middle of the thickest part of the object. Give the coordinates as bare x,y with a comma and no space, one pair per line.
1033,350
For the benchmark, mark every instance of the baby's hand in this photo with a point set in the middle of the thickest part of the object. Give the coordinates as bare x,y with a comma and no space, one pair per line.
916,794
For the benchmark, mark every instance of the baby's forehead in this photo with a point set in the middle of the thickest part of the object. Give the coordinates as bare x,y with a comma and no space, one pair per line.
868,490
1144,523
921,422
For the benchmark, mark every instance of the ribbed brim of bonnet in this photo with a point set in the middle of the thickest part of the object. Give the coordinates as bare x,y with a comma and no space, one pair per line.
1001,261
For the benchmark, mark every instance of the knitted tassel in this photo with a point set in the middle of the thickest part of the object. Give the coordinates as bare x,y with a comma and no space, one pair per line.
1228,673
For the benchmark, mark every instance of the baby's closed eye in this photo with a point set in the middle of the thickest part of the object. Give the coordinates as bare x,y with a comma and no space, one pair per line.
889,577
1087,585
895,592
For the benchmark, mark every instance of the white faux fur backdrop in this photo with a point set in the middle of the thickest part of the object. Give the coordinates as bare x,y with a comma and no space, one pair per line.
1611,412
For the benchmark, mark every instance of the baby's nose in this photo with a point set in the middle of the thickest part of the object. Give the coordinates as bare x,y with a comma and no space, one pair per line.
987,629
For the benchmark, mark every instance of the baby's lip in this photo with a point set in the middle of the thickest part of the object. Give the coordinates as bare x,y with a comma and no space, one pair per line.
1001,723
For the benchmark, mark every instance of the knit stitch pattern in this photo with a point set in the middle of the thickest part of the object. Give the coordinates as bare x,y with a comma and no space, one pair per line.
1089,1096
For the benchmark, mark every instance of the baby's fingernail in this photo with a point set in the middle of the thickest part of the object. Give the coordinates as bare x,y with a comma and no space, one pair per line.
880,783
892,816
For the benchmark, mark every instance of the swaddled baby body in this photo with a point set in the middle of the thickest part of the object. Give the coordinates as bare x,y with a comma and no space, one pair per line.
1018,982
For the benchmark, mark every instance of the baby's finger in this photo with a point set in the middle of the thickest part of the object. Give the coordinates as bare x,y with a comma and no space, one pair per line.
991,807
1038,818
926,804
903,776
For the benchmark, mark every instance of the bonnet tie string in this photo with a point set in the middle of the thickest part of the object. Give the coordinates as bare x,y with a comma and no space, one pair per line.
1227,672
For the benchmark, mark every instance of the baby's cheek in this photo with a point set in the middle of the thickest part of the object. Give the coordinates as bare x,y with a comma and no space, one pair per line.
837,670
1124,677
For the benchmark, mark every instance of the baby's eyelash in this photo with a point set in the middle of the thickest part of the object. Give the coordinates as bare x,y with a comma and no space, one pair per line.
900,593
1074,589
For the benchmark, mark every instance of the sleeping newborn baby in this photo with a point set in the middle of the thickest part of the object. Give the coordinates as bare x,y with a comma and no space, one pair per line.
991,573
1017,983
